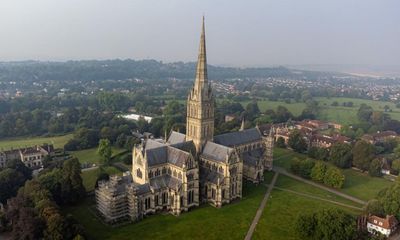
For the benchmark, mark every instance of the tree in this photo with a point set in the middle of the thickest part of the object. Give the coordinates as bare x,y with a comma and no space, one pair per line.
375,207
305,225
396,165
318,153
363,153
334,177
297,142
282,114
10,181
327,224
280,143
375,168
72,189
318,172
341,155
364,112
302,167
389,198
105,151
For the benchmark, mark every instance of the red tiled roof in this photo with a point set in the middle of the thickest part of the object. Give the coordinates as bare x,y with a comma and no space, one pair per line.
388,223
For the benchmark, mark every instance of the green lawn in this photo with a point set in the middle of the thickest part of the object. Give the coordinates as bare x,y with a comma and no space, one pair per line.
89,177
229,222
90,155
339,114
281,211
294,185
357,184
58,141
363,186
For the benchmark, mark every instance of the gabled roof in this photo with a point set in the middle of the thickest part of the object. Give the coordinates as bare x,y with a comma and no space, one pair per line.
217,152
176,137
165,181
252,158
388,223
156,156
143,189
238,138
177,157
159,153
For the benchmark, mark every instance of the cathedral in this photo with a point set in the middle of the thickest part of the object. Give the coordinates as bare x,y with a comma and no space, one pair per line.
185,170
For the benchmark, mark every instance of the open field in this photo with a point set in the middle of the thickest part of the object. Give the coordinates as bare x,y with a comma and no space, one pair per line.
89,177
58,141
279,216
206,222
90,155
357,184
294,185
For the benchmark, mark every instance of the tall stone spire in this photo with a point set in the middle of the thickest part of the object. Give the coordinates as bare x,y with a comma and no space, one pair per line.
200,106
201,70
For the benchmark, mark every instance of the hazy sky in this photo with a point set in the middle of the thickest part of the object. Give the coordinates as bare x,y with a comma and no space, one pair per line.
239,33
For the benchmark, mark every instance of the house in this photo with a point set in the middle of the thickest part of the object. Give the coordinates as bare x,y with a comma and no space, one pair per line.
379,137
32,157
385,226
318,124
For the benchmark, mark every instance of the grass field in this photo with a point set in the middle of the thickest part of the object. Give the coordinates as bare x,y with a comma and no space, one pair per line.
89,177
281,211
206,222
90,155
357,184
339,114
294,185
58,141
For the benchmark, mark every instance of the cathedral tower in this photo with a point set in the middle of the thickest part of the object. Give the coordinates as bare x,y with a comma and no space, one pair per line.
200,104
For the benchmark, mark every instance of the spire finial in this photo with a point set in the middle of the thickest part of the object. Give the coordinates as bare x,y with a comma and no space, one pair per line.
201,69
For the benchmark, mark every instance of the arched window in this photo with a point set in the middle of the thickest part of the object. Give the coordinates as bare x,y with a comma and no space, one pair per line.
221,170
164,170
174,173
139,173
180,175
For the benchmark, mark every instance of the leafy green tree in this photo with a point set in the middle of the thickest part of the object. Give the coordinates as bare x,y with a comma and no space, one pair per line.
72,188
389,198
375,207
396,165
334,177
327,224
305,225
105,151
280,142
282,114
10,181
318,153
318,172
341,155
364,112
302,167
375,168
297,142
363,153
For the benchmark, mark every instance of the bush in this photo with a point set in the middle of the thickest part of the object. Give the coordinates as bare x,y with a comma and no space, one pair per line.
302,167
334,177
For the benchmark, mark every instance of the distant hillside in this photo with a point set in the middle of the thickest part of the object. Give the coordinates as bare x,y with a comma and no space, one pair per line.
123,69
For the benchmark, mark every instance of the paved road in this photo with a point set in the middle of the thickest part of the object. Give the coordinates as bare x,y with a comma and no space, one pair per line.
261,208
284,172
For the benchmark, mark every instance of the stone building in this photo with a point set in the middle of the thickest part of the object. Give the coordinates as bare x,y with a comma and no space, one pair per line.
184,170
32,157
